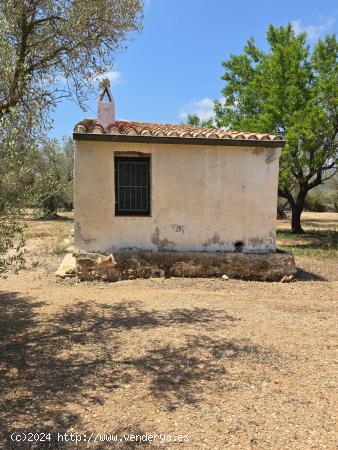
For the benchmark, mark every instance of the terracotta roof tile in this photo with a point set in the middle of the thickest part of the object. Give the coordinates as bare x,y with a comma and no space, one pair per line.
130,128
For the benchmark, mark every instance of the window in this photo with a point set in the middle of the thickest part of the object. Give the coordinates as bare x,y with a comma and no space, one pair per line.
132,186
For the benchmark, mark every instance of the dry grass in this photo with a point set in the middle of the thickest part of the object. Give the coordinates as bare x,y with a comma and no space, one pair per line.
313,243
231,364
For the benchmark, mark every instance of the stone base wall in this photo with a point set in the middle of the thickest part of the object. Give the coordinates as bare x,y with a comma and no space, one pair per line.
131,265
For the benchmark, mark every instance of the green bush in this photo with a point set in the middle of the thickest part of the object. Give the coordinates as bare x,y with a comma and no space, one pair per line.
315,203
53,179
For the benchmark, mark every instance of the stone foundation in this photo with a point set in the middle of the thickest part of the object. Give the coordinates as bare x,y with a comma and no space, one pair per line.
131,265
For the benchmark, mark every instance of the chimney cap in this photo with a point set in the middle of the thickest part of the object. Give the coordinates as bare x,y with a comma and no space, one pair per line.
105,83
105,89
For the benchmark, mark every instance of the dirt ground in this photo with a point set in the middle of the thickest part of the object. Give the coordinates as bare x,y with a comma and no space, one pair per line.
200,363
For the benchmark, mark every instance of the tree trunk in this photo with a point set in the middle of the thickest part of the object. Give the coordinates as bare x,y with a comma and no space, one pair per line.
297,209
50,209
296,226
281,214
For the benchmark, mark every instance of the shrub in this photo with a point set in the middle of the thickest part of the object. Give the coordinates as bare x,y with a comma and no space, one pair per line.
316,202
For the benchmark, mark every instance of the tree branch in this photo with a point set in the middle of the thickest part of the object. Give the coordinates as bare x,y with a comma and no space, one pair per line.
285,193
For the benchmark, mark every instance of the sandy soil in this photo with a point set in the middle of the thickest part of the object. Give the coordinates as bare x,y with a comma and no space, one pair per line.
216,364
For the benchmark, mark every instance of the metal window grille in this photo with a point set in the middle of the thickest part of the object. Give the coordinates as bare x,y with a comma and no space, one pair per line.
132,186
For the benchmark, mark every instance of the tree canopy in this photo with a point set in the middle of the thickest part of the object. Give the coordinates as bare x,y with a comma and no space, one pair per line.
293,92
53,178
45,41
193,119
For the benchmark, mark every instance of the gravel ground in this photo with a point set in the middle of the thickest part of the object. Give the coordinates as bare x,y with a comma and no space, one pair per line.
216,364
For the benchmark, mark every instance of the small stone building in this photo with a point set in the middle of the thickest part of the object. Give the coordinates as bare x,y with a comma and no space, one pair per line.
171,192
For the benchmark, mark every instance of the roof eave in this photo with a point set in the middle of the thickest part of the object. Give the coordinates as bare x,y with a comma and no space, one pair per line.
177,140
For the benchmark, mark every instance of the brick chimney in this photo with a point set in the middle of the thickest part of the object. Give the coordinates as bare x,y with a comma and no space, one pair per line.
105,105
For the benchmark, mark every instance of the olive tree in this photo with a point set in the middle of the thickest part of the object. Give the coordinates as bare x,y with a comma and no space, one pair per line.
53,178
50,50
17,172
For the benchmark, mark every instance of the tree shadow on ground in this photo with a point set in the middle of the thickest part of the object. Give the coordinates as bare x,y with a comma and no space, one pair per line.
53,218
311,239
321,224
176,374
79,356
129,315
305,275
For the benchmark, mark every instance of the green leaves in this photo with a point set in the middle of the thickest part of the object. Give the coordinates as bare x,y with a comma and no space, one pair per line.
263,90
193,119
53,179
12,251
16,150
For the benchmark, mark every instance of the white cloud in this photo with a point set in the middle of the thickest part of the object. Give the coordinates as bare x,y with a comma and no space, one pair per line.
203,108
114,76
314,31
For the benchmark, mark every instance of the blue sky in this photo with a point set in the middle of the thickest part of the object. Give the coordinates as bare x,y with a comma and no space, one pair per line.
173,66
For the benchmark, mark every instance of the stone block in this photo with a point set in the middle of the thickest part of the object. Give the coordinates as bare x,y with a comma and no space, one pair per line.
130,265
